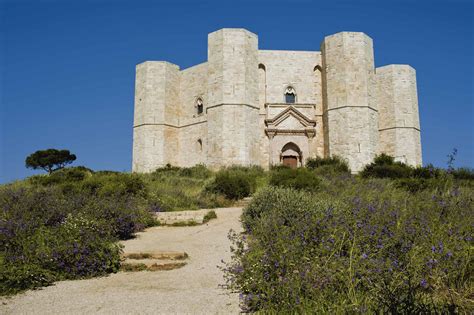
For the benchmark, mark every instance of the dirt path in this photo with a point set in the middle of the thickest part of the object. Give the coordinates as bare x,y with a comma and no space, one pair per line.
192,289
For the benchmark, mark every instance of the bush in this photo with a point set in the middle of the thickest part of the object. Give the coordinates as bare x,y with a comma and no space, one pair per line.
62,176
412,185
52,235
463,173
300,178
233,184
330,166
209,216
384,166
270,199
19,277
368,248
197,171
115,185
426,172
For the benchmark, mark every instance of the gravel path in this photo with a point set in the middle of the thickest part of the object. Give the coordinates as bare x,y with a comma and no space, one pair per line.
192,289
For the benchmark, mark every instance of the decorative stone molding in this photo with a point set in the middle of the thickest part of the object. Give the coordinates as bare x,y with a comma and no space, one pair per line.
290,111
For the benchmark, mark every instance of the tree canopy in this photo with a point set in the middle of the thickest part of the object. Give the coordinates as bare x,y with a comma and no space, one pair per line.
49,160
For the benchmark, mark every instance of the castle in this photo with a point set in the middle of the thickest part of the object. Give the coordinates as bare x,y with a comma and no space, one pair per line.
246,106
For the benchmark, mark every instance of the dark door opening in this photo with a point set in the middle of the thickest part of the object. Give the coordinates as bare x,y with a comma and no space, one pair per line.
290,161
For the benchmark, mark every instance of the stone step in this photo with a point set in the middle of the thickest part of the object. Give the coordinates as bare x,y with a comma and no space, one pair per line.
156,255
243,202
150,264
153,261
173,217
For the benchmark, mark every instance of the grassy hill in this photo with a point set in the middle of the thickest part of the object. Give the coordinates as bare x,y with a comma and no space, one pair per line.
393,238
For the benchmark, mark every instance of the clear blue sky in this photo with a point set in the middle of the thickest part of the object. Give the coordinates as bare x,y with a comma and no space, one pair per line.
67,67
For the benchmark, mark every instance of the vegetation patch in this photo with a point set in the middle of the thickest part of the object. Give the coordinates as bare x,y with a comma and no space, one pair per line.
299,179
356,245
133,267
138,256
329,166
236,182
183,223
209,216
316,237
167,266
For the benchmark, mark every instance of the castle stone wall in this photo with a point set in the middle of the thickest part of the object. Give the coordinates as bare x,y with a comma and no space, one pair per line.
232,112
193,141
350,100
156,115
193,86
343,106
291,68
399,125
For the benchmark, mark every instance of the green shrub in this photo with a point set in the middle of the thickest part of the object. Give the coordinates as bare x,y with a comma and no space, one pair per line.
330,166
282,200
300,178
387,171
19,277
197,171
52,235
463,173
412,185
62,176
426,172
167,169
384,166
234,184
115,185
209,216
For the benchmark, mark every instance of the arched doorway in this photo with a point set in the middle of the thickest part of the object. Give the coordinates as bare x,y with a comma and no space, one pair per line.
291,155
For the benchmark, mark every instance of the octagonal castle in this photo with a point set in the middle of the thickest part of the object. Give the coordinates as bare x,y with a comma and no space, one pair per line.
246,106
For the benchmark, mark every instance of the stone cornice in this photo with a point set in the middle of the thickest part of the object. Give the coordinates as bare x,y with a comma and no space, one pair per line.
304,105
330,109
404,127
290,111
271,132
231,104
169,125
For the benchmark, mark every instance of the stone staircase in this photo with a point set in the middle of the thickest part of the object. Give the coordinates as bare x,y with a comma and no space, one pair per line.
242,203
153,261
185,217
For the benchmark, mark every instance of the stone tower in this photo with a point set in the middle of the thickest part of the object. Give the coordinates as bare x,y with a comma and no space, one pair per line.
155,137
350,109
399,124
232,96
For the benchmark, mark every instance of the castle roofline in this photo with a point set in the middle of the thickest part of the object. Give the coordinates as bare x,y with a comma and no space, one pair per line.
229,30
395,65
290,51
347,33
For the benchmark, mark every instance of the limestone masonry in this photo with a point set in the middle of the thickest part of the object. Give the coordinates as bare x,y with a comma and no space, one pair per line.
246,106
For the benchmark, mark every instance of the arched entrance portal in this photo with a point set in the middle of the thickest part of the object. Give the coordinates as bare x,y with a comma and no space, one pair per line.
291,155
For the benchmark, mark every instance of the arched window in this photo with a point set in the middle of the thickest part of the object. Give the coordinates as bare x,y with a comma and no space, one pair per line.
199,145
199,106
290,95
262,85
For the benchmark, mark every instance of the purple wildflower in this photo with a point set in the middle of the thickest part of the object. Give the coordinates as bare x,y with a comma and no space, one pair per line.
424,283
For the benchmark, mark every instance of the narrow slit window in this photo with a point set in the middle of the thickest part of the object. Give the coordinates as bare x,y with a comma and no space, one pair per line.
199,106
